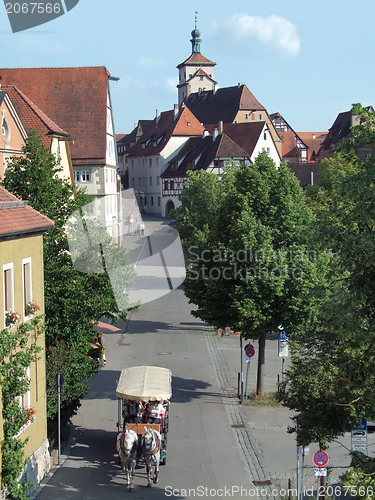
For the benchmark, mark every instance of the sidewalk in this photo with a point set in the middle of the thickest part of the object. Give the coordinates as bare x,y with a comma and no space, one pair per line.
268,425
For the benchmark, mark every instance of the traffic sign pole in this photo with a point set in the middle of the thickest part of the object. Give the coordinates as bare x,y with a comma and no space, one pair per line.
250,351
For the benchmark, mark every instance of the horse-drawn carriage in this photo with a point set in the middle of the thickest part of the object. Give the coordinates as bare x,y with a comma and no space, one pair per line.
142,434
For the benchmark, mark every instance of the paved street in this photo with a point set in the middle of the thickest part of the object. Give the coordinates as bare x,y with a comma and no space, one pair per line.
213,441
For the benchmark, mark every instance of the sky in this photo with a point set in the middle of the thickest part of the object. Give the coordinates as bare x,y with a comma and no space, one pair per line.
307,60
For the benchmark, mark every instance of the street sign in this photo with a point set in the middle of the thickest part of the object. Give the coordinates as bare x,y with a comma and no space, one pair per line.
359,441
131,218
249,350
283,345
320,458
320,472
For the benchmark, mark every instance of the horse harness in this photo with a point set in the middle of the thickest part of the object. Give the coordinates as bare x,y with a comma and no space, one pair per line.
157,447
122,444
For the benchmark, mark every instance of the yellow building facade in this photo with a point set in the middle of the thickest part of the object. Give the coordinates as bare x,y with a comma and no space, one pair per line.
22,282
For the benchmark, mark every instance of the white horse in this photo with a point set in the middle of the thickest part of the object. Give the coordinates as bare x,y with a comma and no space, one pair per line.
127,448
151,445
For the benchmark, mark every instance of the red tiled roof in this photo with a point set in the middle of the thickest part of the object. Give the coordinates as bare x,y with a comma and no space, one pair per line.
224,104
16,217
74,98
162,130
32,117
289,146
313,140
197,58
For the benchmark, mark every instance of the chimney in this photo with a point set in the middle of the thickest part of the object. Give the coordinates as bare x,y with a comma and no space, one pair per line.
240,84
199,91
176,109
313,136
214,89
205,134
215,134
157,115
220,126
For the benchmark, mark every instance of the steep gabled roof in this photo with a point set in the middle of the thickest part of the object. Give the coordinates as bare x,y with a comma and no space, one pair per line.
313,141
74,98
289,146
16,217
339,130
246,135
223,104
154,140
199,152
196,58
33,117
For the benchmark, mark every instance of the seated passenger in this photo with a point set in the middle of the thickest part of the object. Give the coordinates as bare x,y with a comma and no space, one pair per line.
155,412
132,412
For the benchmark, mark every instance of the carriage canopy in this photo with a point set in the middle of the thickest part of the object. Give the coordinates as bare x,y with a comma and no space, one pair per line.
145,383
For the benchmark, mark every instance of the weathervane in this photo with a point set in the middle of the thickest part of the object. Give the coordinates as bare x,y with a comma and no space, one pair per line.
196,19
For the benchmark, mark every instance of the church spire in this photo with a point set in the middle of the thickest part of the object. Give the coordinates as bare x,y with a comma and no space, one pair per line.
196,40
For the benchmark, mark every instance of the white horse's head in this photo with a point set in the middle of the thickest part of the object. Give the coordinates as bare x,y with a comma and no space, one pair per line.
129,442
147,440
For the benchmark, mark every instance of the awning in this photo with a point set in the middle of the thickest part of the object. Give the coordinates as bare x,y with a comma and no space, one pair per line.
106,328
145,383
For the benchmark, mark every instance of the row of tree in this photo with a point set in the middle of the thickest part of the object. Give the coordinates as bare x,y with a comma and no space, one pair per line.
74,301
265,254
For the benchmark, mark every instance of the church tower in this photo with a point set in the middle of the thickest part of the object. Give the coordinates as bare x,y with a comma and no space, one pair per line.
197,73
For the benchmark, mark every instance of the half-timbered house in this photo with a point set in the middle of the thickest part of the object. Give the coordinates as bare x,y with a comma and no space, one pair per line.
150,156
212,153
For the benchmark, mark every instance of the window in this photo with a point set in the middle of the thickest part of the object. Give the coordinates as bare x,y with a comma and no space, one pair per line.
265,136
8,287
144,181
106,174
26,278
268,150
139,163
143,163
150,162
260,116
152,201
139,181
158,201
246,116
145,200
150,181
85,175
157,161
76,175
157,180
201,78
172,185
132,164
166,185
140,201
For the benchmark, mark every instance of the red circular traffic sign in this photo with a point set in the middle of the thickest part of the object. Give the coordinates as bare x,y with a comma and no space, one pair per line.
320,459
249,350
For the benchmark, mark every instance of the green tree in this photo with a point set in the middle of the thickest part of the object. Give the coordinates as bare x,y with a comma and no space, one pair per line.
332,379
73,299
250,264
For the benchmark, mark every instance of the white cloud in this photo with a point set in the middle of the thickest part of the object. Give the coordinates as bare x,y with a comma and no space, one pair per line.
272,29
171,84
129,81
